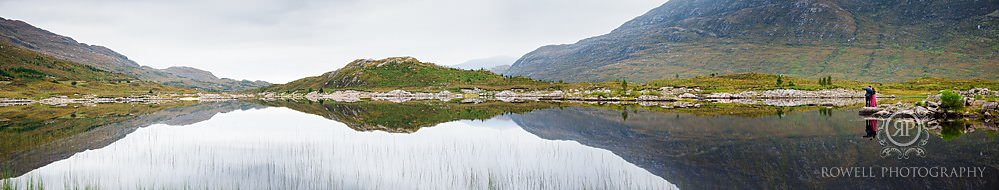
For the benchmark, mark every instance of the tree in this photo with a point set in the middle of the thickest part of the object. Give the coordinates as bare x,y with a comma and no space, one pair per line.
321,90
676,75
780,80
73,83
310,89
829,81
624,84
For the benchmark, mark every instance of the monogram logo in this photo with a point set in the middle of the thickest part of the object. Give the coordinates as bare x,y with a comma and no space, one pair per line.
903,135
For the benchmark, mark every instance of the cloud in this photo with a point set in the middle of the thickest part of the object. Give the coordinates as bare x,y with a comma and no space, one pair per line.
282,40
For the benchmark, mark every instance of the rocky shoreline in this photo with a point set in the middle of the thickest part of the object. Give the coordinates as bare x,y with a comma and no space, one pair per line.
91,100
693,96
784,97
931,107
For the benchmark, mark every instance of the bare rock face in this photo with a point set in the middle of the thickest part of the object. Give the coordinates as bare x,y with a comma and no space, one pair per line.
856,40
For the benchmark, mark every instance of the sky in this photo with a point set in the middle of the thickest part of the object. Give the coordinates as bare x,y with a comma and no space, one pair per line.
282,40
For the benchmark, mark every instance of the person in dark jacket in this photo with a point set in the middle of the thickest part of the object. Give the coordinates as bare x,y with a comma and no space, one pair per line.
869,93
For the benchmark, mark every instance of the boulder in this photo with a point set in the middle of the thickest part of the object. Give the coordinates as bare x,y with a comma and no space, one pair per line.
990,106
932,104
882,113
869,110
688,95
921,111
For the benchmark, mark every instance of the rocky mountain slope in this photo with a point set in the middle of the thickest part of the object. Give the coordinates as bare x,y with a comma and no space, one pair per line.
890,40
25,73
61,47
401,73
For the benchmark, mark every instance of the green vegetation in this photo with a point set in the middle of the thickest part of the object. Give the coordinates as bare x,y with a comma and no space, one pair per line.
825,81
883,43
407,74
918,88
950,100
28,74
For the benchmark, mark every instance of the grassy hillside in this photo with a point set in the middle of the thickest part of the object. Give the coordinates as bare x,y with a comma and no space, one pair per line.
886,41
404,73
24,35
755,81
25,73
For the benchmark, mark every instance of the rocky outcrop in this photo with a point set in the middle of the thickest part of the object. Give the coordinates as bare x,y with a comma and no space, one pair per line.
930,108
788,93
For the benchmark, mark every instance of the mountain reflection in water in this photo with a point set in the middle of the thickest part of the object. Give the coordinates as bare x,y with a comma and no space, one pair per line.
437,145
281,148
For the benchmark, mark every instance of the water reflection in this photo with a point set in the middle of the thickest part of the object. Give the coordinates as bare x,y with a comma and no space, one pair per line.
405,117
871,128
786,150
441,145
34,136
285,149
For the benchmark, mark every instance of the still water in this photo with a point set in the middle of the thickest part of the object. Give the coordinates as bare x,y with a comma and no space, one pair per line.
282,145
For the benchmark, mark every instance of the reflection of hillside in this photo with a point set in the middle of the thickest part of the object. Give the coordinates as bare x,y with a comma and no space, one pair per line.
709,109
406,117
35,136
722,152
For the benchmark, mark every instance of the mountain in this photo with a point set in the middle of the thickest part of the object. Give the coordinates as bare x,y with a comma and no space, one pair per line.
61,47
402,73
889,40
25,73
220,84
499,69
497,64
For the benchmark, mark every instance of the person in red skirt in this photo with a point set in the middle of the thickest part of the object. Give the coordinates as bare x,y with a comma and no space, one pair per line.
869,96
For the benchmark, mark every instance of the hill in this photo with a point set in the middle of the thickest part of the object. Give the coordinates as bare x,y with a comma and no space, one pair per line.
497,64
850,40
25,73
403,73
61,47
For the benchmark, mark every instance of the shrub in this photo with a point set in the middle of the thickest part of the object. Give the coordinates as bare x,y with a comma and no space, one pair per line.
950,100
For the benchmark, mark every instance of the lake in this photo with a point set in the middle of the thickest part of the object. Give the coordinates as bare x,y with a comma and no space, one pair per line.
493,145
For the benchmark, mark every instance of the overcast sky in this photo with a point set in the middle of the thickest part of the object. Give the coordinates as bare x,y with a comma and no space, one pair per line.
283,40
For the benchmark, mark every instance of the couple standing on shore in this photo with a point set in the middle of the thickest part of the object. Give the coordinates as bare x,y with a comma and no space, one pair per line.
869,97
